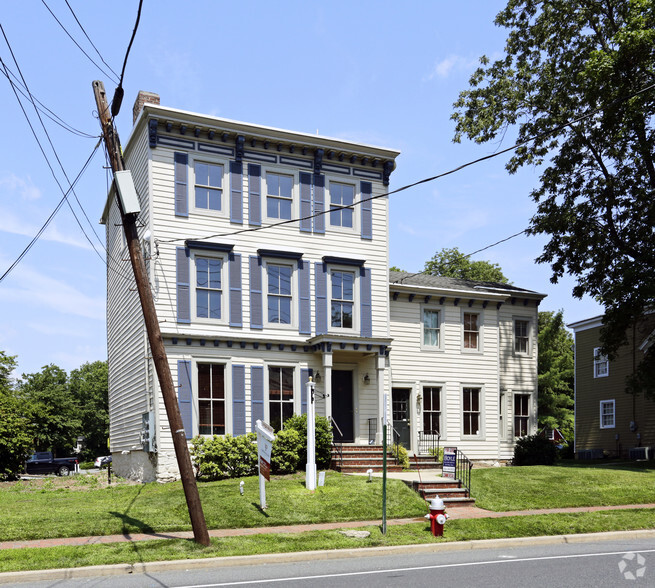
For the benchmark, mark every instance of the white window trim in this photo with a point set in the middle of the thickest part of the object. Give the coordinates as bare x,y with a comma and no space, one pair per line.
598,361
295,193
225,199
528,320
480,348
297,393
356,298
442,404
227,382
438,347
355,229
529,415
481,436
266,261
202,253
603,403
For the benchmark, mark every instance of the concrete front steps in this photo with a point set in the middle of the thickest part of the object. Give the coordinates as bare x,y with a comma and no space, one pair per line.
360,458
449,490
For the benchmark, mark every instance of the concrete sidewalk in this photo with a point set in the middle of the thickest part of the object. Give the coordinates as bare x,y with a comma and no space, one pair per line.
459,512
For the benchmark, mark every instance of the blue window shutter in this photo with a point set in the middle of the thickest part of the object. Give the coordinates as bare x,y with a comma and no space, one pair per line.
304,378
236,192
181,173
256,394
185,396
305,202
321,298
319,203
365,295
238,400
367,210
236,319
254,194
256,296
304,295
183,279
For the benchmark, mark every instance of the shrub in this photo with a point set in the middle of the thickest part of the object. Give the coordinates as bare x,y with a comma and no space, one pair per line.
225,457
437,453
298,422
400,455
286,451
534,450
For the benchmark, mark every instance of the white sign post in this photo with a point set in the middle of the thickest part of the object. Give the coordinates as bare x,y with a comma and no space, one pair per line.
265,438
310,471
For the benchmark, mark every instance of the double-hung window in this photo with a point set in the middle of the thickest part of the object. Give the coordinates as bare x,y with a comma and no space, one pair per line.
211,399
601,364
521,337
342,299
209,287
431,410
607,414
208,186
471,331
521,414
431,334
471,411
341,195
279,195
280,395
280,298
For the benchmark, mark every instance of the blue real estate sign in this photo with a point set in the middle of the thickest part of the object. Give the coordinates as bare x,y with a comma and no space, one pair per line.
449,461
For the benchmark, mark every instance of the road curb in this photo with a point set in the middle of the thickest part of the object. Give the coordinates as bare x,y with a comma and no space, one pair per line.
269,558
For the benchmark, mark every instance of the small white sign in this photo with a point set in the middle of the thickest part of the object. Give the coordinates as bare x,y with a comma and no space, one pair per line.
321,478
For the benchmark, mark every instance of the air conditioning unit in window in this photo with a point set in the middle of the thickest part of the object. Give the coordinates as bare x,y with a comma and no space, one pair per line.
148,437
641,452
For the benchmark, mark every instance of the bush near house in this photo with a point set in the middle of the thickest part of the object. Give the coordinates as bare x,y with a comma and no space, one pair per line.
534,450
323,439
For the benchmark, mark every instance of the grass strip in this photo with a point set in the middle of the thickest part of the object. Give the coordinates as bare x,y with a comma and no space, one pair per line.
410,534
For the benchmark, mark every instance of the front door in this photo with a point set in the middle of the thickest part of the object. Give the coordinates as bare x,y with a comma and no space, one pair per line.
342,405
400,411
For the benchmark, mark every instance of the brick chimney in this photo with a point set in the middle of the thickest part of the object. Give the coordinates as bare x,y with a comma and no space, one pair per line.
142,99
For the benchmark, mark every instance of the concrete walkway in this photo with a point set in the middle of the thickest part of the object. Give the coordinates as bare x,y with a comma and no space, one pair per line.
459,512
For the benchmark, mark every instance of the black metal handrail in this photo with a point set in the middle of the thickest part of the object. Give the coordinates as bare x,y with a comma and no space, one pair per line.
428,443
463,467
338,447
372,430
395,437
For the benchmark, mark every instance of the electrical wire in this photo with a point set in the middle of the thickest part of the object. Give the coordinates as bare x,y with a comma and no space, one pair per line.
89,38
76,43
127,53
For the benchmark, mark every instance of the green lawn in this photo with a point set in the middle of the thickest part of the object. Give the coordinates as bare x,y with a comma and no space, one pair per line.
563,485
28,513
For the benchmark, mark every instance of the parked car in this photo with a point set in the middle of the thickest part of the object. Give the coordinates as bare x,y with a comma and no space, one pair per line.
102,462
42,462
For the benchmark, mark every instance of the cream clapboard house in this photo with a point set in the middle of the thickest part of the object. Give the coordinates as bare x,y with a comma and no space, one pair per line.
250,305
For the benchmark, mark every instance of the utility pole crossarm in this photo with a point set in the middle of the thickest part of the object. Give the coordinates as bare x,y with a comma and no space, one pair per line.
157,348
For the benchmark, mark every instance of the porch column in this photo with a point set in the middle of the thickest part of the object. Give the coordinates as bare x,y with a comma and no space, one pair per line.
327,371
379,368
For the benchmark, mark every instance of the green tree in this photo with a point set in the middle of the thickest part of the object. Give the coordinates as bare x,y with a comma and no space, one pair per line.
52,410
555,369
89,387
454,264
15,429
564,59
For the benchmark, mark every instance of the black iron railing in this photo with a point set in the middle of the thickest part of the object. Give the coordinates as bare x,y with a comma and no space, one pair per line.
463,467
337,446
372,430
428,443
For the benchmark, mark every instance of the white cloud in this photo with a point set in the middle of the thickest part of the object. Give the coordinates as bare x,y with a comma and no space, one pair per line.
443,68
23,187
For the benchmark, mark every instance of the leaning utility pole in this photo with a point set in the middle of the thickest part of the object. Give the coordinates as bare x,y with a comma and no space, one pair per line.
114,151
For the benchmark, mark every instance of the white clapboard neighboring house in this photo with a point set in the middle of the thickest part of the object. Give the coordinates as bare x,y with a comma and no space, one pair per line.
250,305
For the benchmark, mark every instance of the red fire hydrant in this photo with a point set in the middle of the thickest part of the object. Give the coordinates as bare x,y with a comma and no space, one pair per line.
437,516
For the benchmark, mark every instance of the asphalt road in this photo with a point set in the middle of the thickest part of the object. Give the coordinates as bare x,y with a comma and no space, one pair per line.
620,561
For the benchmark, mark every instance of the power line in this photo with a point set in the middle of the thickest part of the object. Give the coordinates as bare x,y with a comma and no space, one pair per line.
89,38
76,43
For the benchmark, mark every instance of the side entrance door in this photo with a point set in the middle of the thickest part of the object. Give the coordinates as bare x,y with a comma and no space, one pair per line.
400,412
342,405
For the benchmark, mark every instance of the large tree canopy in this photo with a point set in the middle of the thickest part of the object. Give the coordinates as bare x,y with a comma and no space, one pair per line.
89,387
454,264
564,59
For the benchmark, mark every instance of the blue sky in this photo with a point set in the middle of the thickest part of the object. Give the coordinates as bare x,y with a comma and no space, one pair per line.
383,73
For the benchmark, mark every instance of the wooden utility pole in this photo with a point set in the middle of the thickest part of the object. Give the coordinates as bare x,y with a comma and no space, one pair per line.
157,348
